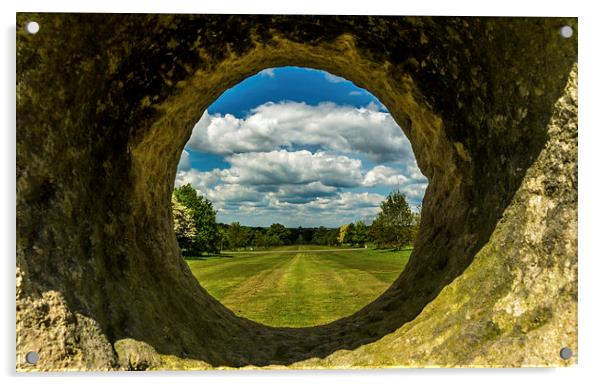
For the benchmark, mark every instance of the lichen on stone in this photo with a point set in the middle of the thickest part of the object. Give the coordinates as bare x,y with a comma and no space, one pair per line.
105,104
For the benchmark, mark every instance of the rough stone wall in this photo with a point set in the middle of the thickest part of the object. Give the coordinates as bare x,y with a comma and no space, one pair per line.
105,104
516,304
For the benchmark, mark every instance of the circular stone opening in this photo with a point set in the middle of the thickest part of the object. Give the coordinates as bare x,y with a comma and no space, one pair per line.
297,198
444,245
98,265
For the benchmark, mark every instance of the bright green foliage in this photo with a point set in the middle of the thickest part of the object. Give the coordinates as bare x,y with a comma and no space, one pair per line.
207,238
353,234
394,225
277,235
360,234
223,237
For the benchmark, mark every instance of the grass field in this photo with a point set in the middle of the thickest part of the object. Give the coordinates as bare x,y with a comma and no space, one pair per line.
295,286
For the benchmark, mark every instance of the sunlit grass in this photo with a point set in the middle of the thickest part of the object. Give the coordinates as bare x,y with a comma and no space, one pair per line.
301,288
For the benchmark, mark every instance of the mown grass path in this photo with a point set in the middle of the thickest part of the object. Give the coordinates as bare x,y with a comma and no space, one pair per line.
302,288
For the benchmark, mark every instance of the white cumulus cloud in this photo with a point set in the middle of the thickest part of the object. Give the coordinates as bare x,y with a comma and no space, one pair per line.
333,78
273,175
414,192
269,72
184,163
385,176
296,167
332,127
200,180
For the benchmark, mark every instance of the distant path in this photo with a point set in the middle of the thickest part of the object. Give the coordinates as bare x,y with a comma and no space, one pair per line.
291,251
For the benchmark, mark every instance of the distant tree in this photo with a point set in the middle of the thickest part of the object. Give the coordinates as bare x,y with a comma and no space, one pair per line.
299,236
272,240
224,244
393,225
343,233
308,235
207,238
349,234
332,237
278,234
183,225
379,234
237,235
360,233
258,239
186,195
320,236
415,225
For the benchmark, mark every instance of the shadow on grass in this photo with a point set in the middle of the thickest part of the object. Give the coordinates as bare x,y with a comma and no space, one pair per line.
389,250
205,257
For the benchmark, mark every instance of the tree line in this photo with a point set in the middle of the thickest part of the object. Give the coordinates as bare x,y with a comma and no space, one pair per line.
198,232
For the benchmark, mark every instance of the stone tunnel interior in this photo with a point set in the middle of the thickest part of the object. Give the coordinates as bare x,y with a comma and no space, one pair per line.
115,98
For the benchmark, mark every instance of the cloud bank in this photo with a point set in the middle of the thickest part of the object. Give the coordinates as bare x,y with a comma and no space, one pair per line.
290,162
298,186
366,130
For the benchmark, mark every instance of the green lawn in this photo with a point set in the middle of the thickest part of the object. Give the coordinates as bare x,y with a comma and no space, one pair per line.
302,288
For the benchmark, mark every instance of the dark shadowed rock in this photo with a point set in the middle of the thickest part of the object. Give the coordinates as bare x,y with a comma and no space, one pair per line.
105,104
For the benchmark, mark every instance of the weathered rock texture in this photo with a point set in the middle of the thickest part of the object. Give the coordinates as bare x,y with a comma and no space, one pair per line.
136,355
105,104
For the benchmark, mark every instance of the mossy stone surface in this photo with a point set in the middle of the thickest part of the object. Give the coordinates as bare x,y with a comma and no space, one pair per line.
106,102
136,355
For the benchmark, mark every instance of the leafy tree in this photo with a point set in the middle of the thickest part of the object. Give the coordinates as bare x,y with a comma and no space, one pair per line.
416,225
186,195
379,234
258,239
332,237
360,233
237,235
278,234
183,224
224,244
207,238
343,233
349,234
320,236
393,225
272,240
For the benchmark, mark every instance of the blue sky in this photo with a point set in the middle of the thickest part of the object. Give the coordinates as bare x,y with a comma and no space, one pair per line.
299,147
293,84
